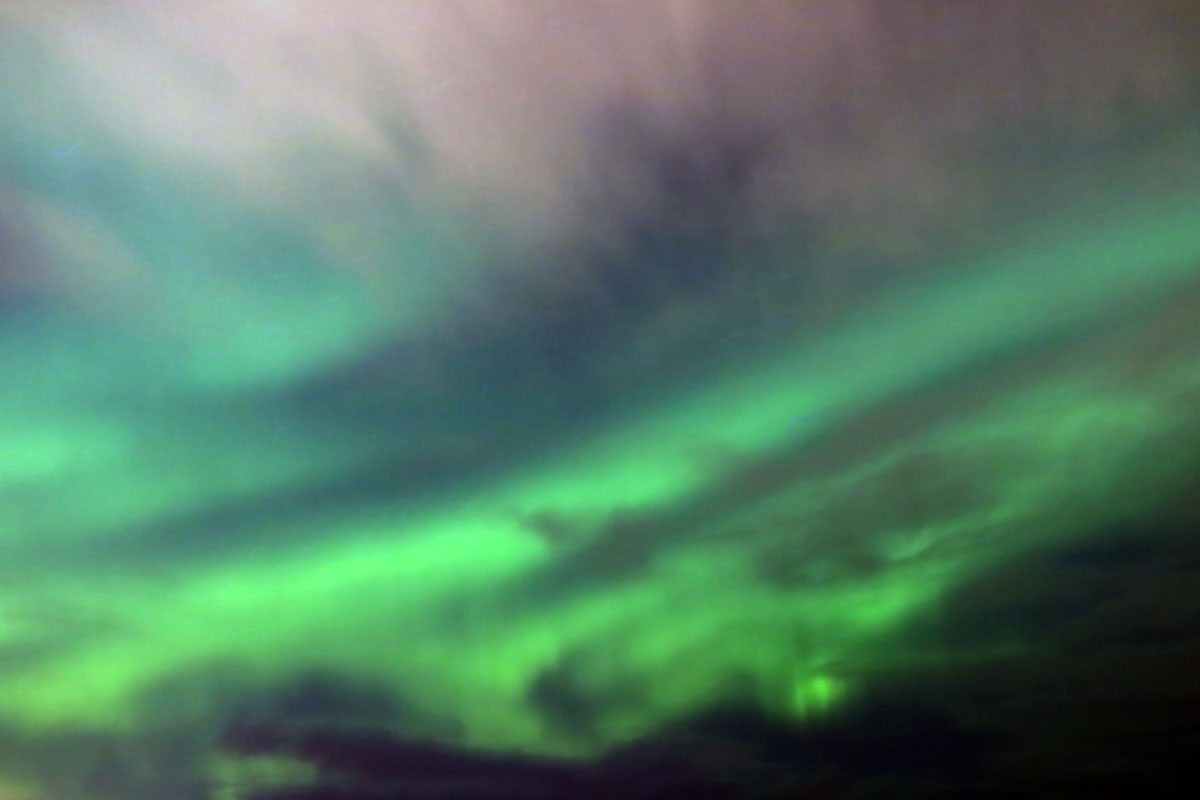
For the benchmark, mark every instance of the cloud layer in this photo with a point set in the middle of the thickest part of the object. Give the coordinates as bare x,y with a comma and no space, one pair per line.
526,377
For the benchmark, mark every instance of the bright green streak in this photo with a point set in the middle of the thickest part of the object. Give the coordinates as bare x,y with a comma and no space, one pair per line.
427,602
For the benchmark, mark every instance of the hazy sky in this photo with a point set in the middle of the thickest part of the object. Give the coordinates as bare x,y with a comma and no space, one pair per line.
554,370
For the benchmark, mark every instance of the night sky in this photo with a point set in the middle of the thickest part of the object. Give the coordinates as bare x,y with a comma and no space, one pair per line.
613,398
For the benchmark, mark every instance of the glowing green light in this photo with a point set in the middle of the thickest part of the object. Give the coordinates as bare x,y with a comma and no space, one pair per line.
814,695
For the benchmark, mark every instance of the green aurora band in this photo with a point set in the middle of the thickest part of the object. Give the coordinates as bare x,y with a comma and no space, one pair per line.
777,534
1021,460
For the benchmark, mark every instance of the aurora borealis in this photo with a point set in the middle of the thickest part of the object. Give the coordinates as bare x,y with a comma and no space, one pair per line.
528,378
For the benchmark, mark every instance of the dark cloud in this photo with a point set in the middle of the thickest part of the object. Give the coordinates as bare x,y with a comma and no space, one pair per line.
725,752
